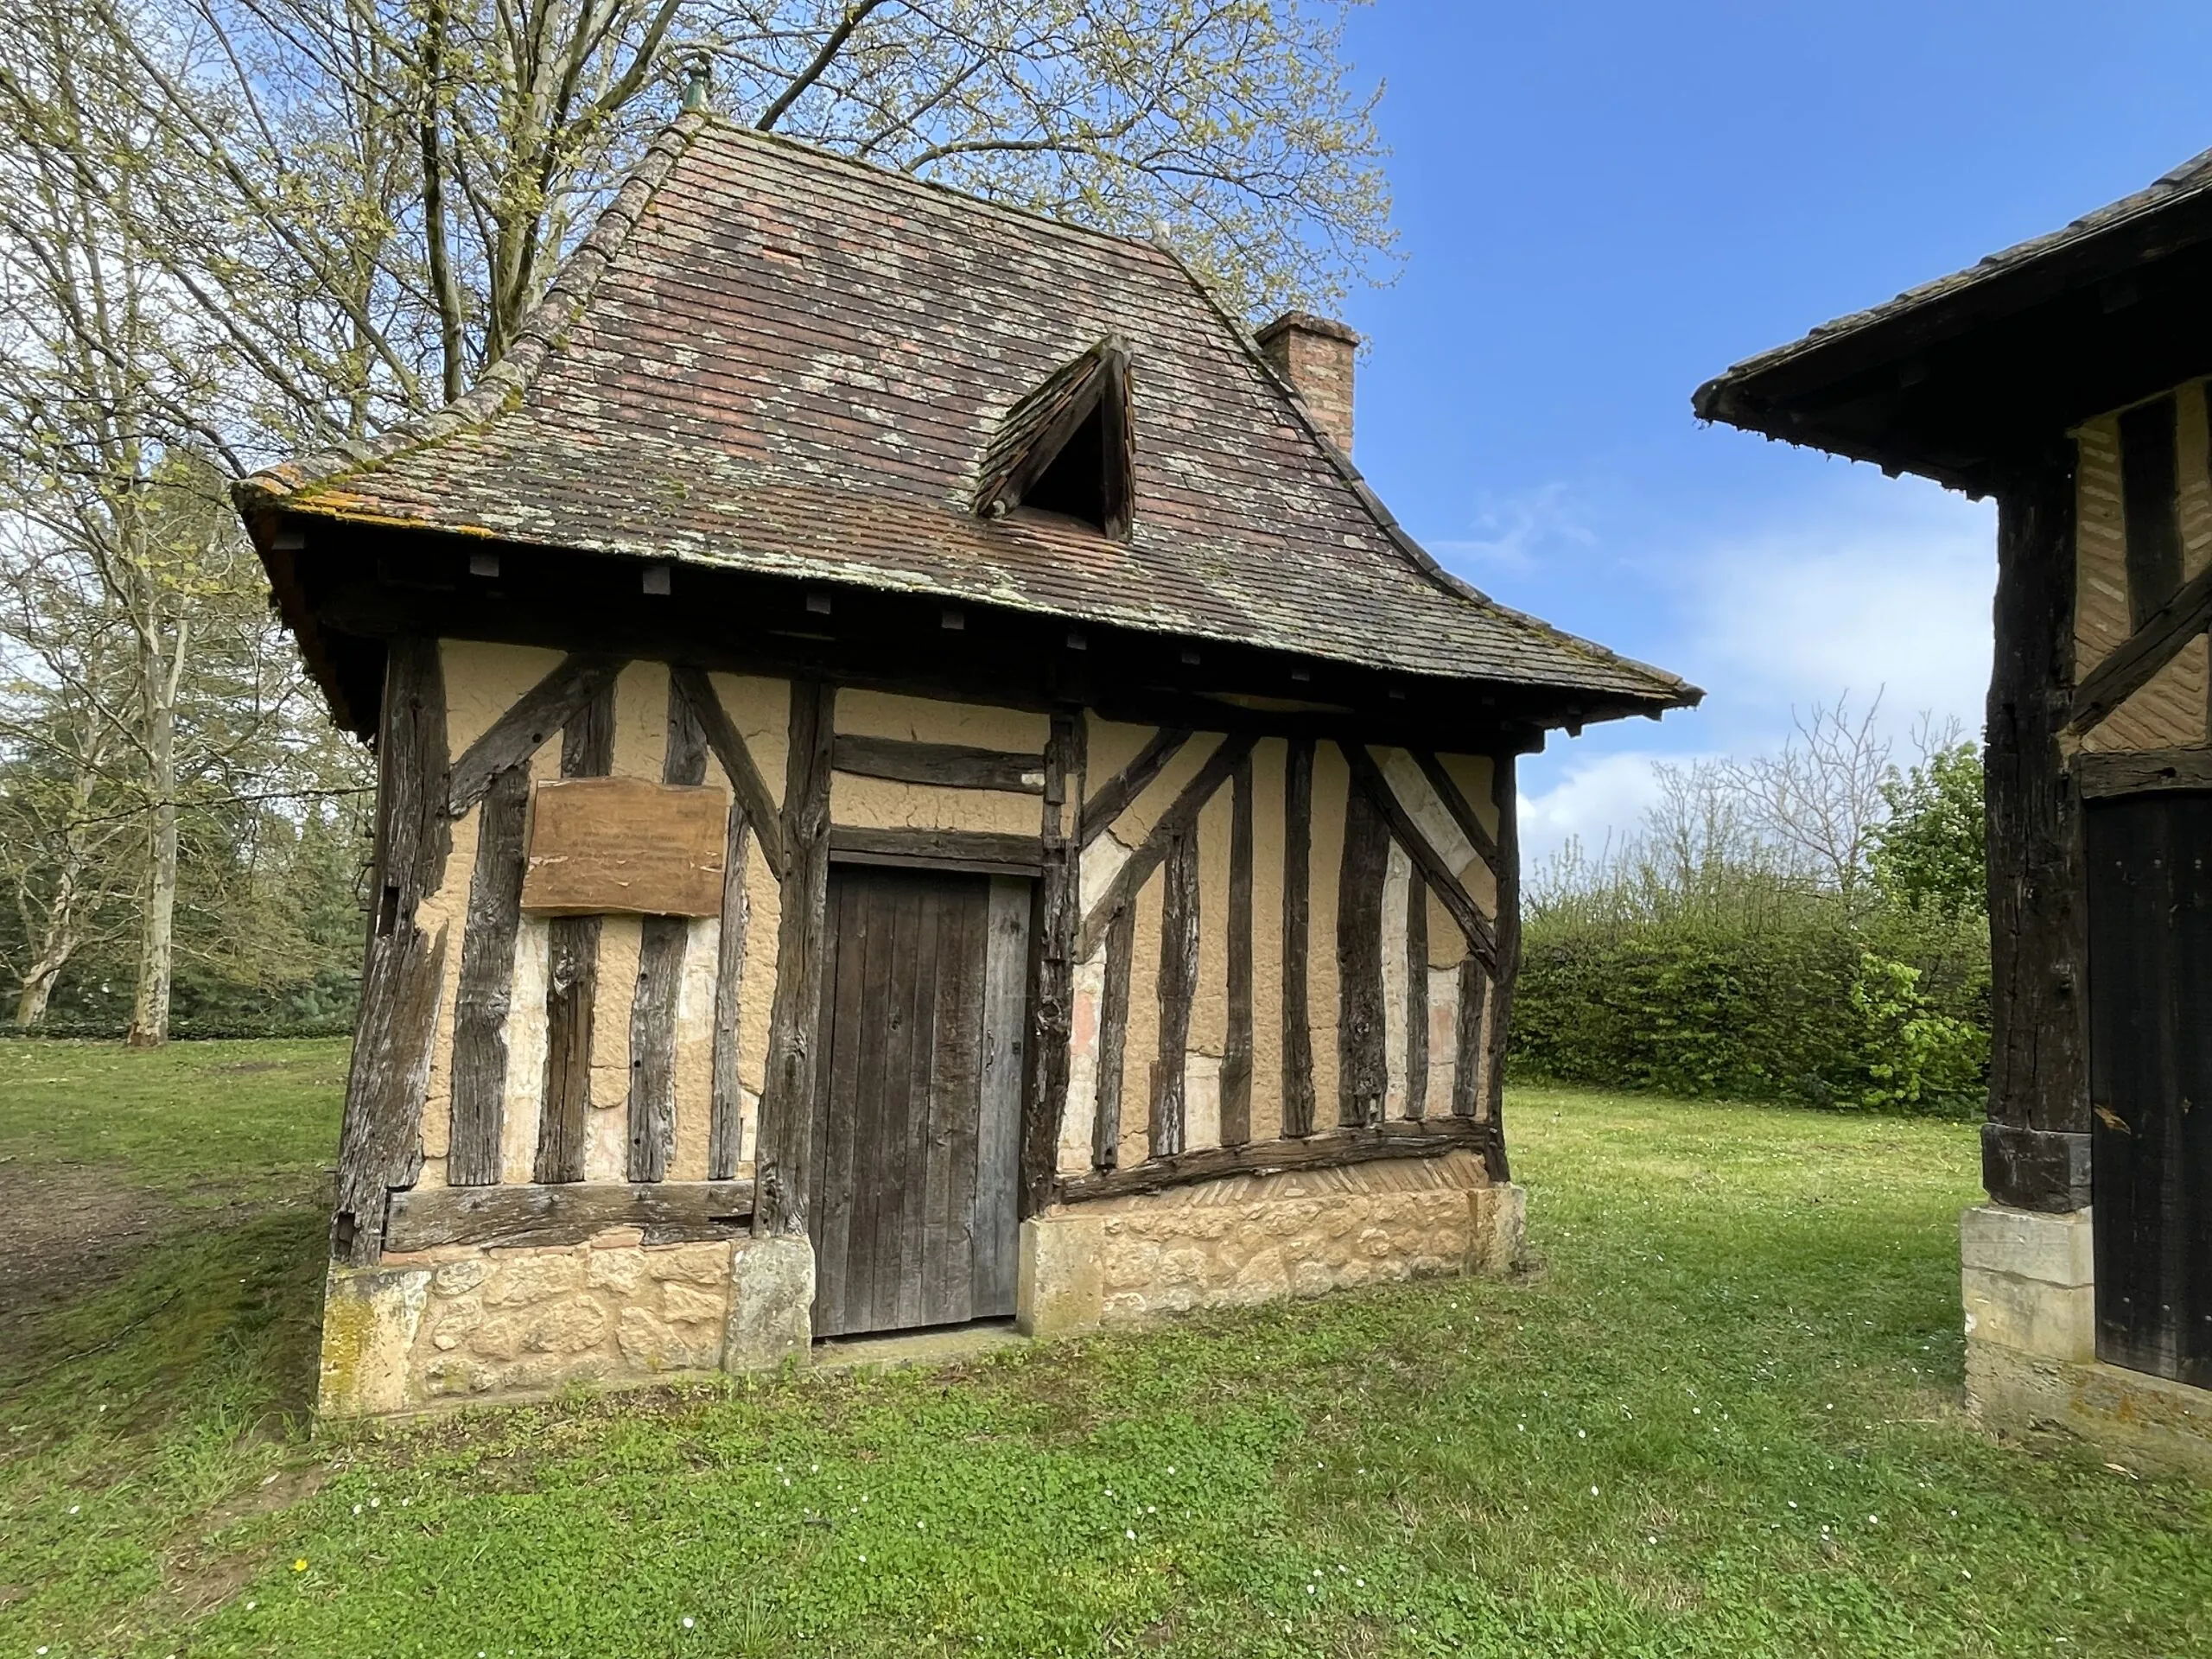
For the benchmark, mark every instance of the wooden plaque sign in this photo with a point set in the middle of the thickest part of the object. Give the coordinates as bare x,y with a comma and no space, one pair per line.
625,846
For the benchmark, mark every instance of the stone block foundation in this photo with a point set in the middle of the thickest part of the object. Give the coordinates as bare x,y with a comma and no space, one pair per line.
467,1323
1255,1238
2029,1284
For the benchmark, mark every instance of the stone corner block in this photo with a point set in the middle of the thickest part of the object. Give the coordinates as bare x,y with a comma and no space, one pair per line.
770,1303
1060,1285
2055,1322
370,1320
2051,1250
1499,1243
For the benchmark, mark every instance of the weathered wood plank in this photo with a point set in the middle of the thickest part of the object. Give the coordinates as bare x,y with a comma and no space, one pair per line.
1429,1138
2038,1076
1456,802
1114,796
1469,1045
572,974
947,766
1362,1063
529,725
486,986
1052,974
1416,997
736,761
662,943
1113,1039
380,1138
726,1107
1177,819
507,1217
978,852
1167,1121
1236,1042
1369,781
782,1161
1504,796
627,846
995,1255
951,1108
2098,774
2150,475
1297,938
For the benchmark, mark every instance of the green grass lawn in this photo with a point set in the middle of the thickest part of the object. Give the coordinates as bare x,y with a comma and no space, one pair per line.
1722,1417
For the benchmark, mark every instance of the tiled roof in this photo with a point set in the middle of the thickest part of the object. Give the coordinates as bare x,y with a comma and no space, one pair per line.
770,358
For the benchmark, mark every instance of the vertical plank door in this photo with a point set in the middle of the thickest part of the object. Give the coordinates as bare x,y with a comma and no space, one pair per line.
2150,859
923,1029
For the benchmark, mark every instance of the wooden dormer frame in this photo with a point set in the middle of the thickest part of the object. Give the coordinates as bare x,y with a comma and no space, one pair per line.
1036,431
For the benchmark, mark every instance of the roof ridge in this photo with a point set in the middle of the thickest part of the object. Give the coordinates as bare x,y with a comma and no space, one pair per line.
745,133
507,380
1423,560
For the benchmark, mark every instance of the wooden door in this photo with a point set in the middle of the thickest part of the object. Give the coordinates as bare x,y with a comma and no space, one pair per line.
918,1110
2150,861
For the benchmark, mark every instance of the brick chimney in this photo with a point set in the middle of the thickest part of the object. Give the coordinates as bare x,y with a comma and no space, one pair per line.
1314,354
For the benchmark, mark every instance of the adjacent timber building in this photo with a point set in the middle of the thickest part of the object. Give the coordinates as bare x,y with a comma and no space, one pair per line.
2067,377
917,785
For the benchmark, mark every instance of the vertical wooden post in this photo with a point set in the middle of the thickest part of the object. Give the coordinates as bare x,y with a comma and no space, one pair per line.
572,975
487,972
2035,1145
1113,1035
1297,1028
1051,996
1416,995
783,1161
1362,1066
1237,1042
661,943
1179,975
381,1139
1504,793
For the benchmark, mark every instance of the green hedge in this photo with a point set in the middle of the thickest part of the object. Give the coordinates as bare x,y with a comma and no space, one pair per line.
1818,1013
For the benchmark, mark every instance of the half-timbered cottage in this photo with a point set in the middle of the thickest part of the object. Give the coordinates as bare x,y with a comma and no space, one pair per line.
917,785
2067,377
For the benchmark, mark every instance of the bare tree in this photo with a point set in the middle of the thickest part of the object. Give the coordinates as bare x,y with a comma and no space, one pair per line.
1819,800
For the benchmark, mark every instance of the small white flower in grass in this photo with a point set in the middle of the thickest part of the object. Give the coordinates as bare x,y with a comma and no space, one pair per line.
1130,1534
1652,1538
1312,1589
1360,1583
1793,1503
73,1509
1171,1468
1874,1520
1151,1508
251,1606
1593,1491
1581,1434
1964,1574
374,1502
687,1621
863,1561
356,1508
921,1526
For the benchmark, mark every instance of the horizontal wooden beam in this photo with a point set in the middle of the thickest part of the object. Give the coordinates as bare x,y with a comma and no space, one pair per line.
1428,1137
949,765
979,851
669,1212
2141,772
2131,664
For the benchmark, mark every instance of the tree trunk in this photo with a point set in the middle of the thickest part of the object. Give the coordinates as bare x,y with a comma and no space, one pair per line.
149,1013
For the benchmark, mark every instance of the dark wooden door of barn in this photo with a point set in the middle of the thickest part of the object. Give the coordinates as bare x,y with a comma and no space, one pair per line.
2150,1080
918,1101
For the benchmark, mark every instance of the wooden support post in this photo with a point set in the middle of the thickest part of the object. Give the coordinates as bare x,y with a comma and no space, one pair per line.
1468,1047
381,1139
2034,1147
1236,1044
1052,992
1416,996
1297,936
784,1158
1363,1068
662,941
1167,1126
1503,794
572,973
487,972
1113,1035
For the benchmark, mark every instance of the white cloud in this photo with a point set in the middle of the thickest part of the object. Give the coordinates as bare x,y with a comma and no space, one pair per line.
1513,531
1890,596
1598,799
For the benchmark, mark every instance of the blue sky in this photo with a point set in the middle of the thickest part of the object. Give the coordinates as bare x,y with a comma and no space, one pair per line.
1602,205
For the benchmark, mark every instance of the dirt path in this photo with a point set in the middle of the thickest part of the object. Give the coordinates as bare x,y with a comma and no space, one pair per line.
67,1230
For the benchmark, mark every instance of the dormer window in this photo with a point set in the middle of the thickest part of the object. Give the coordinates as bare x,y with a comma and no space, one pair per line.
1065,449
